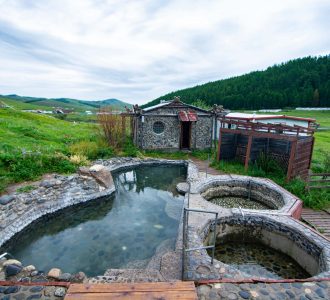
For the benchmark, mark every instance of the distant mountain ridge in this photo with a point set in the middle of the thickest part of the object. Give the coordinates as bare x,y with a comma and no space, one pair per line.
303,82
25,102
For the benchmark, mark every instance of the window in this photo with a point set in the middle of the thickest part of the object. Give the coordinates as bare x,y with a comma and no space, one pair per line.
158,127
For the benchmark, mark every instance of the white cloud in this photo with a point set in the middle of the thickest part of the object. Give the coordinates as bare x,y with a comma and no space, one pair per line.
139,50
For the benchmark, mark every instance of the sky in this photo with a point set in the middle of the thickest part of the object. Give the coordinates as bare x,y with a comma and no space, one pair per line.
136,51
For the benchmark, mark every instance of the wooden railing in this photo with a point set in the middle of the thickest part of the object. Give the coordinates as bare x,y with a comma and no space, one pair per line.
262,127
317,181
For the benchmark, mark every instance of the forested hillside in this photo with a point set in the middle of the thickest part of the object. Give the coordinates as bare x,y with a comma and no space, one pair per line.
301,82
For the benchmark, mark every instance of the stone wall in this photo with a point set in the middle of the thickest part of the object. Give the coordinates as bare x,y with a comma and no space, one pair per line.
201,131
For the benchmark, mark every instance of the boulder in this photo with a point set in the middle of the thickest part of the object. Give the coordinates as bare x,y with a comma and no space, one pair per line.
102,175
54,273
12,262
6,199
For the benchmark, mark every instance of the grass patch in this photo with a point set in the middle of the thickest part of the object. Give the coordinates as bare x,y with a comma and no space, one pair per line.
26,189
317,199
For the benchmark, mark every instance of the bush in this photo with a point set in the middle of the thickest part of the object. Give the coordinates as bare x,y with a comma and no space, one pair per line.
19,166
84,148
79,160
91,149
130,149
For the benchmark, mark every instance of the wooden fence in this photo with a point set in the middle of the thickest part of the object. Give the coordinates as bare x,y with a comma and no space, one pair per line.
317,180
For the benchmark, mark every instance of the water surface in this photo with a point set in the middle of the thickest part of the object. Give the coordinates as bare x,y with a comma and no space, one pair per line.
113,232
259,260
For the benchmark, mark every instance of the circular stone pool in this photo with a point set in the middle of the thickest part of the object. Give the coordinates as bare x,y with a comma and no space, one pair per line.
245,192
120,231
263,247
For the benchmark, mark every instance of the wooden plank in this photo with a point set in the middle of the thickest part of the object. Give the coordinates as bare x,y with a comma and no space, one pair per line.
128,287
169,295
291,160
248,152
320,174
260,134
138,291
219,144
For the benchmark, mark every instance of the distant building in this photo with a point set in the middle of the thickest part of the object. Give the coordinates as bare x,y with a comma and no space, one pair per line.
174,125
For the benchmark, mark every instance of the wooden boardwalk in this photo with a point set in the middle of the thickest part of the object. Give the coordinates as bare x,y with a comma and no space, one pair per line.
184,290
318,219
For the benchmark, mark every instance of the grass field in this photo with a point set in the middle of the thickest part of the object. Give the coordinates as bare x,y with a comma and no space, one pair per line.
33,144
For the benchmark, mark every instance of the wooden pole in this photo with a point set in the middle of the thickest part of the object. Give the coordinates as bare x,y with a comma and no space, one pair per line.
123,127
219,144
248,152
291,159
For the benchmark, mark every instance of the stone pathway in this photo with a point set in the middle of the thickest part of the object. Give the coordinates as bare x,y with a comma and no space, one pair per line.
202,164
318,219
17,292
276,291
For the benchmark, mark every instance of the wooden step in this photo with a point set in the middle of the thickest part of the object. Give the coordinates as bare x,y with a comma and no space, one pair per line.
136,291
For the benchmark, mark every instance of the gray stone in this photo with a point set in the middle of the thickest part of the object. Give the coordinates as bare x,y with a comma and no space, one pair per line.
6,199
11,289
60,292
34,296
244,294
36,289
12,270
64,277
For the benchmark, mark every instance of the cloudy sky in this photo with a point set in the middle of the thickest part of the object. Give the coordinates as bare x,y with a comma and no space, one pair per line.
138,50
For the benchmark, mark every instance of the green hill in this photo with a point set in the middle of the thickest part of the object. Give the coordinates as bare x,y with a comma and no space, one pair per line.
20,102
301,82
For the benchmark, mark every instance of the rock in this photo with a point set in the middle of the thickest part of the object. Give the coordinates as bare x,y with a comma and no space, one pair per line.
47,183
6,199
2,276
29,268
11,289
79,277
102,175
60,292
84,171
65,277
182,187
54,273
12,270
12,262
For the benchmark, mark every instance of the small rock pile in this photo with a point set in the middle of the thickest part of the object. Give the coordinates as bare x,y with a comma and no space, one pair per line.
13,270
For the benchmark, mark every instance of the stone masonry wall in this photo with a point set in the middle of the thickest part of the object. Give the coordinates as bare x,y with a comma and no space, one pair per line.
170,138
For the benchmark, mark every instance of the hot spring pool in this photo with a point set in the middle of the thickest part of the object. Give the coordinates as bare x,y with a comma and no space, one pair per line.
111,232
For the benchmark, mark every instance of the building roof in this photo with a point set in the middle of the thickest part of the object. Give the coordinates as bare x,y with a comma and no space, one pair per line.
172,103
157,105
250,117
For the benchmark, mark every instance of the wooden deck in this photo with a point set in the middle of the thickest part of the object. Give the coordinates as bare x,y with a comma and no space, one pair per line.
318,219
133,291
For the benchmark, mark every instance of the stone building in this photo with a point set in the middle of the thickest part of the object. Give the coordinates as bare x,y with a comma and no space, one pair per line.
173,125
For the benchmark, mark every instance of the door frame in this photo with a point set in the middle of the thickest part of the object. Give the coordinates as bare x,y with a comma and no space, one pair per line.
181,135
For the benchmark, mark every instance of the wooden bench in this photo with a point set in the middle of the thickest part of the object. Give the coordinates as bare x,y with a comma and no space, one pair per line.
184,290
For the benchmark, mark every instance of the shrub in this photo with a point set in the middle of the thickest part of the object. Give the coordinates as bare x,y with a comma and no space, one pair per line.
130,149
20,166
79,160
111,125
84,148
